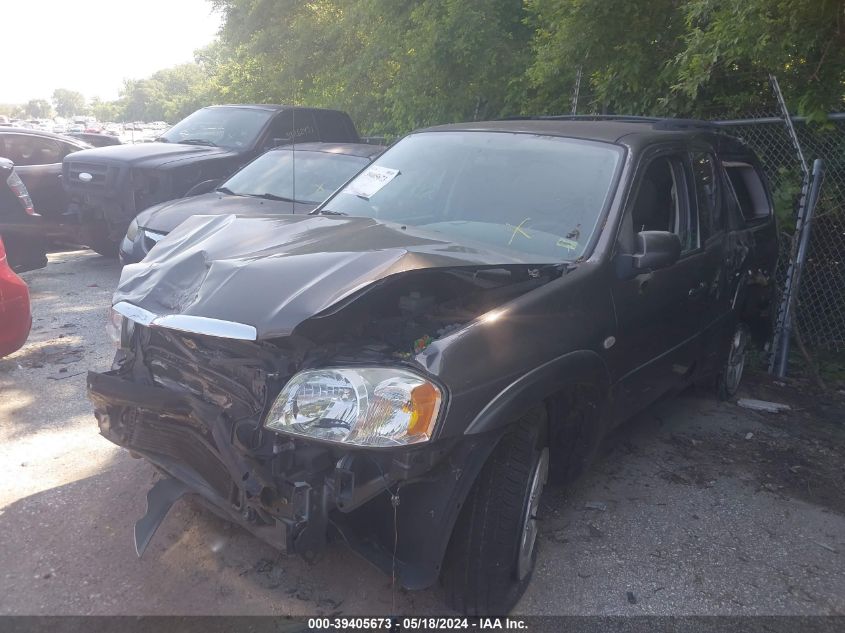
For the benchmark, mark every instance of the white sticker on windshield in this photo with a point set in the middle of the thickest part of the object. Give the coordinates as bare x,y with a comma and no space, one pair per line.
370,181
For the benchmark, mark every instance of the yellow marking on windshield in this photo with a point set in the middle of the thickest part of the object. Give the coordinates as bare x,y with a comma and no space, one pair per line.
518,229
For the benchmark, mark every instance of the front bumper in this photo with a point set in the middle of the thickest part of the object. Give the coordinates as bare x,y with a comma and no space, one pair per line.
180,435
368,497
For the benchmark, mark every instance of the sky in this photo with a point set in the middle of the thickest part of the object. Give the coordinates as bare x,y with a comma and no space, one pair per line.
91,46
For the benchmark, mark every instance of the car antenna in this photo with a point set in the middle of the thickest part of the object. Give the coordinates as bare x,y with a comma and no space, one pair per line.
293,152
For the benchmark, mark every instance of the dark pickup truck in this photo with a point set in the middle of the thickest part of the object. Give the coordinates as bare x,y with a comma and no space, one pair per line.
109,186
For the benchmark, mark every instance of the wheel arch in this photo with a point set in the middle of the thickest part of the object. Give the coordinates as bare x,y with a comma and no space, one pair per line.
542,384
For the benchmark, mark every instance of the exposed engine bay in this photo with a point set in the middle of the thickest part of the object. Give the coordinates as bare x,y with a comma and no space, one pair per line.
400,317
195,406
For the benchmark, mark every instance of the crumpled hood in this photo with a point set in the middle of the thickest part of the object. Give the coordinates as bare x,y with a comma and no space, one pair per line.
273,273
166,216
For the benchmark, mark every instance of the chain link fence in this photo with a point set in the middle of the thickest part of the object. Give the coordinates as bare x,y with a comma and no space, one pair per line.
820,311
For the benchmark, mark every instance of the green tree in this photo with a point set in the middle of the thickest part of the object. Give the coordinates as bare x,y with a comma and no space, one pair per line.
68,103
104,110
180,90
167,95
392,65
38,108
396,65
728,45
11,109
687,57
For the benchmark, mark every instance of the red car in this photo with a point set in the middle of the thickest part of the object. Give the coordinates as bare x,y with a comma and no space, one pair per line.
15,318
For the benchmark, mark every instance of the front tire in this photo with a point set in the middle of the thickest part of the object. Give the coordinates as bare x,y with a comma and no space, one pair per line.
97,238
493,547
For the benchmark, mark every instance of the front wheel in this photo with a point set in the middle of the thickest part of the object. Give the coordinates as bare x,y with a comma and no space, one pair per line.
493,547
96,237
730,375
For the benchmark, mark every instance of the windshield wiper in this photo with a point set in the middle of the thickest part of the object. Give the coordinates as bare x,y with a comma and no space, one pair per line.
226,190
160,139
273,196
330,212
197,141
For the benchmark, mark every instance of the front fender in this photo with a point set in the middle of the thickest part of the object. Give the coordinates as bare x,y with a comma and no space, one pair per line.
421,513
578,367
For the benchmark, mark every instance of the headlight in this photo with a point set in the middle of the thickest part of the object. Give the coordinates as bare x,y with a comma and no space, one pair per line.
119,329
132,231
362,406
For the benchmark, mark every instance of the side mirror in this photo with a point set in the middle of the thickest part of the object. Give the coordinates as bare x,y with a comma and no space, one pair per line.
654,250
202,187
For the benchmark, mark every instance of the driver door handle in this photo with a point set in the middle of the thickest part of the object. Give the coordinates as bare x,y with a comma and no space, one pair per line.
697,290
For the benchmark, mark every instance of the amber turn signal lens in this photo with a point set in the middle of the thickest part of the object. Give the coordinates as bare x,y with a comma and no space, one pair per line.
425,401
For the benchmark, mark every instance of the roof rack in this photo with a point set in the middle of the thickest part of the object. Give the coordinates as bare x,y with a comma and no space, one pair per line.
660,123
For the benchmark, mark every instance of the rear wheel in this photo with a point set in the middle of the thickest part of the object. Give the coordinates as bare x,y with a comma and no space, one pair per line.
730,375
493,547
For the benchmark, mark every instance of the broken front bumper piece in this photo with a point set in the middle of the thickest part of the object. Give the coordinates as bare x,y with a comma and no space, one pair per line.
302,492
188,440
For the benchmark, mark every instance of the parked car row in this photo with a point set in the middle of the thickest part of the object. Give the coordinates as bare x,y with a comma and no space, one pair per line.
35,158
20,225
35,208
92,198
404,366
109,186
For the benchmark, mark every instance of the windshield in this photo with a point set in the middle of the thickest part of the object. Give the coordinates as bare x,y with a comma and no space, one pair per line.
225,127
317,175
540,195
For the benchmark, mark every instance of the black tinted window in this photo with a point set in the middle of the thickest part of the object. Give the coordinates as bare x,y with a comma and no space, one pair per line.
67,148
707,193
749,191
226,127
292,126
334,127
23,149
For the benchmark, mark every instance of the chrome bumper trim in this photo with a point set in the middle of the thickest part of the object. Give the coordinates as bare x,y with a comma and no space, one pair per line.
188,323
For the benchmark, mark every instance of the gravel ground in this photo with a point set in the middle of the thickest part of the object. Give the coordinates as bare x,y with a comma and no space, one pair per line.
695,507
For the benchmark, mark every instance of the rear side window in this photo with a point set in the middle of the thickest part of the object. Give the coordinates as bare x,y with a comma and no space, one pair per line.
335,126
749,191
67,148
707,193
292,126
23,150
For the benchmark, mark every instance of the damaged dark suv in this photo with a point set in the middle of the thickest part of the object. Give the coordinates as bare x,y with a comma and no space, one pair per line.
405,367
